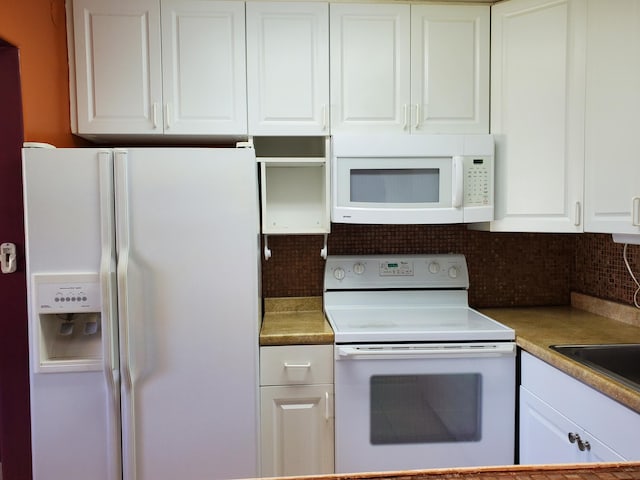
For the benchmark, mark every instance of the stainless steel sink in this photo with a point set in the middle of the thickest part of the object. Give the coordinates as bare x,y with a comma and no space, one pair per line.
618,361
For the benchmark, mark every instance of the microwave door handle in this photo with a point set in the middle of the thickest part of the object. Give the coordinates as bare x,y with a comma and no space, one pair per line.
458,178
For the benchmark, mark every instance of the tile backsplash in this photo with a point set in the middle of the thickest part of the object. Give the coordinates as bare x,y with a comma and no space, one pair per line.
600,270
506,269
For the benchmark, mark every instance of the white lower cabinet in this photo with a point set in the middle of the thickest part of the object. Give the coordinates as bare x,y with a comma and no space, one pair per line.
547,436
562,420
296,410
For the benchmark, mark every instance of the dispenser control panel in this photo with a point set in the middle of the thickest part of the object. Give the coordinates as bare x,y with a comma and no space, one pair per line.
67,293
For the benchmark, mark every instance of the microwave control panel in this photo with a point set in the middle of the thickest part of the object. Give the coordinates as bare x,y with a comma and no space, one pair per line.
478,177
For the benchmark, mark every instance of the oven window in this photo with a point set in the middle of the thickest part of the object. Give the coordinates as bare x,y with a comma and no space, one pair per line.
425,408
402,185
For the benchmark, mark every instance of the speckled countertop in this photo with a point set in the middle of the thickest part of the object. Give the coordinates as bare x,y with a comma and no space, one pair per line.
539,327
295,321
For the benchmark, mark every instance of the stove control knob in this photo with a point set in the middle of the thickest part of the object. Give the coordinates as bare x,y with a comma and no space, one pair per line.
338,273
358,269
434,267
453,272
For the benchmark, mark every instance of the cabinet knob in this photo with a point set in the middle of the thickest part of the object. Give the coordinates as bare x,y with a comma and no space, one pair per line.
582,446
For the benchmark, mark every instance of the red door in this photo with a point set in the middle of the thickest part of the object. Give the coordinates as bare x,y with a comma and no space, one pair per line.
15,441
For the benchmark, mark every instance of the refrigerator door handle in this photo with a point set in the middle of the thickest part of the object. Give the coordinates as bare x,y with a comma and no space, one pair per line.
109,307
123,267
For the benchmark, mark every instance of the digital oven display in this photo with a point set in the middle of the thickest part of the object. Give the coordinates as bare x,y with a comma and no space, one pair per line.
401,268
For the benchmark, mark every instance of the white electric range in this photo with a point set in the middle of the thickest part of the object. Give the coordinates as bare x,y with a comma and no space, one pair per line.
421,379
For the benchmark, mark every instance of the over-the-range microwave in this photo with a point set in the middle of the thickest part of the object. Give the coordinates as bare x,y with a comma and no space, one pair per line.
412,179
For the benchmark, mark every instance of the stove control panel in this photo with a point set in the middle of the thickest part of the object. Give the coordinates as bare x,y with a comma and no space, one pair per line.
388,271
395,268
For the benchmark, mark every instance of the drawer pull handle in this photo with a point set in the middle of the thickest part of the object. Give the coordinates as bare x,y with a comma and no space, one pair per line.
297,365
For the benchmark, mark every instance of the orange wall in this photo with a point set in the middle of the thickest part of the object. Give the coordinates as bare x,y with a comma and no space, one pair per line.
37,28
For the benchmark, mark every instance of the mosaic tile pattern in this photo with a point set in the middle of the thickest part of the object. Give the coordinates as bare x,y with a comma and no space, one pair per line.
506,269
600,269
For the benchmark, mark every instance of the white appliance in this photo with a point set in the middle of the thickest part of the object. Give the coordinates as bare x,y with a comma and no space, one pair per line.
421,380
144,312
412,179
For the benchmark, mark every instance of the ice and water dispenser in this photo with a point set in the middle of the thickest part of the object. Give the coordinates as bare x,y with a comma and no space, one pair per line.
68,316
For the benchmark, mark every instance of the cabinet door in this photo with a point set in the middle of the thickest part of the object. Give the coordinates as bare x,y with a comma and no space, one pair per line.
118,66
297,430
203,63
603,418
288,68
612,177
545,436
544,433
370,67
450,69
537,114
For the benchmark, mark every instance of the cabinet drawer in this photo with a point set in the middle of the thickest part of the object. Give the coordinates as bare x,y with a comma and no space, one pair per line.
296,365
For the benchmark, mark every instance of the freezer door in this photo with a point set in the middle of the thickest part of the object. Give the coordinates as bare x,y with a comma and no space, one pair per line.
187,224
75,414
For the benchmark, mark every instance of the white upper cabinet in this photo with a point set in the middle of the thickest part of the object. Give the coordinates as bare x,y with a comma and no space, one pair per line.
295,184
612,177
413,69
203,64
118,66
288,68
370,71
537,114
183,67
153,67
450,69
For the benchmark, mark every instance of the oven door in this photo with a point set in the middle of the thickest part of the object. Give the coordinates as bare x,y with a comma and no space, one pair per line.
404,407
402,190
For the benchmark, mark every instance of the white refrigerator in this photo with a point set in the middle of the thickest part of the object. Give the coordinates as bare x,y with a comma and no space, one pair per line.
144,308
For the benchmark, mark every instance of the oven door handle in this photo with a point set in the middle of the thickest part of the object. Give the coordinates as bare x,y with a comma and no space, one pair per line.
440,351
